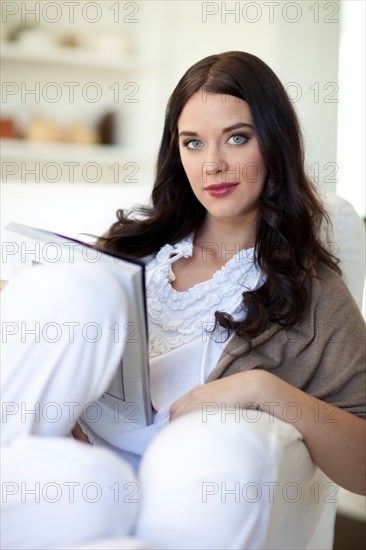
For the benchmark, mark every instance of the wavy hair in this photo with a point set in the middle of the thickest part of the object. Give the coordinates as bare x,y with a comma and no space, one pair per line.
288,241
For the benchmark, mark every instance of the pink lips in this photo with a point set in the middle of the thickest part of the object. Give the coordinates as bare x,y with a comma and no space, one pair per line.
220,189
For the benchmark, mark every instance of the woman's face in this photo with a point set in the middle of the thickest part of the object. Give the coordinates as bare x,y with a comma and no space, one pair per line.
220,155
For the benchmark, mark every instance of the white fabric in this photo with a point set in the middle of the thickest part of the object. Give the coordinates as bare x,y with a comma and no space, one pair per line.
50,484
348,241
179,317
182,352
184,457
73,331
125,543
210,484
57,492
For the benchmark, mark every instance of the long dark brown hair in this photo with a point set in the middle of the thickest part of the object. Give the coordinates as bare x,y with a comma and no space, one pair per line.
291,214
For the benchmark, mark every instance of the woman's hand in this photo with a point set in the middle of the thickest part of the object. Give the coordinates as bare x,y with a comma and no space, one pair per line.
334,437
3,284
235,391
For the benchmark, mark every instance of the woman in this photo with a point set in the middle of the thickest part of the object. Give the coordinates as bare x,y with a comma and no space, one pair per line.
246,310
242,187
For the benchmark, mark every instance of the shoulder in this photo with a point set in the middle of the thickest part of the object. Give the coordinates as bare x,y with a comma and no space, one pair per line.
321,274
328,289
332,309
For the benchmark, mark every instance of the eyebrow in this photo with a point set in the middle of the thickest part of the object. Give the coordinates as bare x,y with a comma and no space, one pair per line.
225,130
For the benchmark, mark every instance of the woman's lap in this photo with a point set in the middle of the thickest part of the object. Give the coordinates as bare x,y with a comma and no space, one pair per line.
225,480
201,485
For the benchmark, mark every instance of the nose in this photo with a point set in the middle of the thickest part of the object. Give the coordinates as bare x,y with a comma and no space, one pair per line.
213,167
215,161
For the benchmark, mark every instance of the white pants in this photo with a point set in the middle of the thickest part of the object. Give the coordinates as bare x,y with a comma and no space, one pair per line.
233,481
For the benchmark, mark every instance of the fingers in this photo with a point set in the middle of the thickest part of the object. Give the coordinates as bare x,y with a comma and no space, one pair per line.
191,401
78,433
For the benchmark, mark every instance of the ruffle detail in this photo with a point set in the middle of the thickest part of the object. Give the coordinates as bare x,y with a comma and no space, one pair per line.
177,317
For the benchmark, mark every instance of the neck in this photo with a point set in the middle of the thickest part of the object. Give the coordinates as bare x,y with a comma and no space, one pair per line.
223,239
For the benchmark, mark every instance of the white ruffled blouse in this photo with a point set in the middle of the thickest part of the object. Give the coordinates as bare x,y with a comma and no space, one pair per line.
183,349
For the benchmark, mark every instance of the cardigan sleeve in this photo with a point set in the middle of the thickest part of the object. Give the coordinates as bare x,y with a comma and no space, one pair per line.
340,348
323,355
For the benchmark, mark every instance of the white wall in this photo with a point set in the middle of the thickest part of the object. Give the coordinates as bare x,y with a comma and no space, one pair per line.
351,114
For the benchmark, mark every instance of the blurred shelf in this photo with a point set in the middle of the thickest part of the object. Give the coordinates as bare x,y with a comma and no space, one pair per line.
59,151
31,161
78,57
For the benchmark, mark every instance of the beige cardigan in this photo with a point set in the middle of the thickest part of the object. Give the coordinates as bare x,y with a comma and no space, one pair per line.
323,355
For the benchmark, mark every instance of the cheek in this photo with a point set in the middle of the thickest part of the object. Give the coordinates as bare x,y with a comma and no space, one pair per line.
253,169
254,173
192,168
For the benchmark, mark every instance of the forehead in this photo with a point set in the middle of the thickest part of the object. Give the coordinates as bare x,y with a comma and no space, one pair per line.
203,107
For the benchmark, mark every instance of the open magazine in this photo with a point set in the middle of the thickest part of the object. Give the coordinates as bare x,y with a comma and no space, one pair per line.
128,393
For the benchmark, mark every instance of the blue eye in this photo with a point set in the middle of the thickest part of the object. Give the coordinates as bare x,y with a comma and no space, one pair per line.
193,144
238,139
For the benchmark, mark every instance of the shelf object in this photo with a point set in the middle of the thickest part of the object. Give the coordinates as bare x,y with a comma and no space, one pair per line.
61,161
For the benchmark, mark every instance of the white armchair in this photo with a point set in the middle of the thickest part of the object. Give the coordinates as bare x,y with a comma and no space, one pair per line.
349,243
